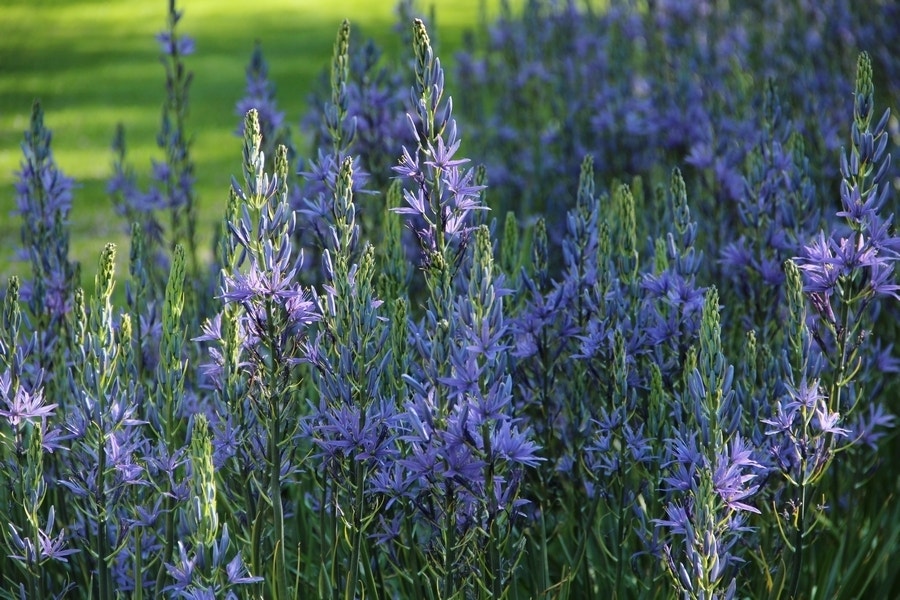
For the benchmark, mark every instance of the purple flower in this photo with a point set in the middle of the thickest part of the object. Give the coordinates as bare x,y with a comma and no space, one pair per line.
388,530
260,284
638,445
347,430
172,45
260,95
22,405
261,291
44,199
393,481
827,421
212,330
47,547
851,254
818,264
237,573
783,420
511,445
808,395
736,257
686,460
729,478
881,280
677,520
442,154
868,428
183,571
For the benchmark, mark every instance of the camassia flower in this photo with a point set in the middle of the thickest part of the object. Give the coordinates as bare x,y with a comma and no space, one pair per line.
260,95
443,206
22,405
730,477
259,289
175,45
47,547
441,194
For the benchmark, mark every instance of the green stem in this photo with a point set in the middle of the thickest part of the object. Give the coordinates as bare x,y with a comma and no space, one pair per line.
620,541
169,548
545,559
281,586
585,534
169,531
494,575
799,534
256,538
34,572
35,581
335,541
449,543
376,577
102,550
836,385
250,508
350,589
323,515
280,568
138,565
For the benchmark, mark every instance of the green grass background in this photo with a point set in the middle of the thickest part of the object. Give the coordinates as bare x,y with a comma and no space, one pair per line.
93,64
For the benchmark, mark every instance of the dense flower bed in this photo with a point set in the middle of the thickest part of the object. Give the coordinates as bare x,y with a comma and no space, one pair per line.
640,346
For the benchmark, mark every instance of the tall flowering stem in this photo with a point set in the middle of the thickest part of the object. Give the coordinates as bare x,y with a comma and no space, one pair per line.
441,195
340,128
439,198
275,314
101,351
168,412
350,426
99,469
846,278
846,274
176,175
44,199
260,95
24,423
711,473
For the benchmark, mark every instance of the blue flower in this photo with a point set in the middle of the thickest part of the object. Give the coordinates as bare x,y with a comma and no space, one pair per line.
510,444
730,477
22,405
173,45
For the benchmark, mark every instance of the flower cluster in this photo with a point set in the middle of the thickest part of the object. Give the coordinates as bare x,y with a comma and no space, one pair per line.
44,199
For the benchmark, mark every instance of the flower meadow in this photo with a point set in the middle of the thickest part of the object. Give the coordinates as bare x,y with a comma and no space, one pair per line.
614,318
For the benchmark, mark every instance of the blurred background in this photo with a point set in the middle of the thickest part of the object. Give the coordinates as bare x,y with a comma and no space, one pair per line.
93,64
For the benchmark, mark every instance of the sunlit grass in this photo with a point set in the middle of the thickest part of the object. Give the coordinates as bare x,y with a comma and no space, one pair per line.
95,64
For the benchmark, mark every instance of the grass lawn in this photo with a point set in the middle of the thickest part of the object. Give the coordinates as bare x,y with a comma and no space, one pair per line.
94,63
